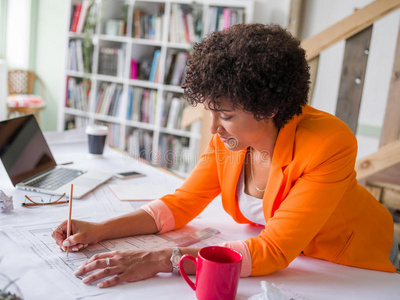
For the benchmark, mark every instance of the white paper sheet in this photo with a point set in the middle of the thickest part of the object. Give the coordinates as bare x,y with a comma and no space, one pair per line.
140,192
37,240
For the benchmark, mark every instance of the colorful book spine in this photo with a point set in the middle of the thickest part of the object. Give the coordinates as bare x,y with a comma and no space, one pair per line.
134,69
75,19
154,65
226,20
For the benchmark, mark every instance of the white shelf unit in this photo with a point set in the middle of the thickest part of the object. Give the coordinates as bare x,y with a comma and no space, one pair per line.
138,48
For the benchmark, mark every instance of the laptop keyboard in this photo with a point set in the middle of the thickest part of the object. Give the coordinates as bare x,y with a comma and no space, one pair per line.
56,178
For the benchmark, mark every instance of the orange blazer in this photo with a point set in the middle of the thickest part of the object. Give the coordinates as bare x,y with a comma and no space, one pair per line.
312,203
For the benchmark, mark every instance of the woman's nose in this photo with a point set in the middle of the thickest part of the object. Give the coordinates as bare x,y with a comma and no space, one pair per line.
215,127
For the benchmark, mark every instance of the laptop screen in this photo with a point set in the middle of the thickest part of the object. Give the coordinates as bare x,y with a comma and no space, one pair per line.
23,149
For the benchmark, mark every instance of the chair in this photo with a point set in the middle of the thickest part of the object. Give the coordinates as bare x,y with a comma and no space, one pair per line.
21,99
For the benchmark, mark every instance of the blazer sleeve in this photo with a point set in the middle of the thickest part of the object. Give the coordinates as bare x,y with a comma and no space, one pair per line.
197,191
307,206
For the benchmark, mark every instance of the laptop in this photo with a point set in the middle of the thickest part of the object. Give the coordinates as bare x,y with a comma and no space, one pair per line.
27,158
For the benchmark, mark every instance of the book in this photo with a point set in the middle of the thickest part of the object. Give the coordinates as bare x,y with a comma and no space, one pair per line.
75,19
73,59
108,99
169,67
226,12
130,100
72,16
82,16
108,61
79,56
137,192
191,31
134,69
120,58
174,112
179,68
186,33
173,25
136,23
220,19
165,107
212,25
154,65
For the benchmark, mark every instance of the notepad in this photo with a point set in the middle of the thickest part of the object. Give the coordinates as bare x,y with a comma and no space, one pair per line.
140,192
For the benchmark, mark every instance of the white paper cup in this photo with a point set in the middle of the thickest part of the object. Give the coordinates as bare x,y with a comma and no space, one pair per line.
96,139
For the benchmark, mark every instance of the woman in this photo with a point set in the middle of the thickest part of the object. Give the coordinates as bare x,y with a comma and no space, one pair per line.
275,160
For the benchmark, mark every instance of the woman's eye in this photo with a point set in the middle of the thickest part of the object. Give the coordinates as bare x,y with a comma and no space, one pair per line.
226,118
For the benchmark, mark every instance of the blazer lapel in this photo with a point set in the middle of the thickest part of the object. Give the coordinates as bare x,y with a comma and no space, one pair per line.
230,177
283,155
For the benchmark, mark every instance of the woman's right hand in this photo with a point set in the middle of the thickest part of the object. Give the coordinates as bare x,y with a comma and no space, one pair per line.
82,234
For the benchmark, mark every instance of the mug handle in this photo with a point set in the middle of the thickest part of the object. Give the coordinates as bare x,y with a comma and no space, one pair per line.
182,271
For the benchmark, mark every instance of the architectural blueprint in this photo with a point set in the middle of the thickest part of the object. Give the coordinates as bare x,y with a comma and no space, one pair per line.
37,238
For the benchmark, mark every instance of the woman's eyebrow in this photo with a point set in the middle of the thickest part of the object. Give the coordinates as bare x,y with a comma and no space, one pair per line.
217,110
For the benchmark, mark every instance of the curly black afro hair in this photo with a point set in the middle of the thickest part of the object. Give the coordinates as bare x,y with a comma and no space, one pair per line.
259,68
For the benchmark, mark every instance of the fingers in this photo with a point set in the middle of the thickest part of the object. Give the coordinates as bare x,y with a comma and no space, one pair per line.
59,234
74,248
110,282
98,261
119,266
75,241
101,275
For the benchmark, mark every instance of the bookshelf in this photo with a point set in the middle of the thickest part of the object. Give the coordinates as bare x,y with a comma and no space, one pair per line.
129,76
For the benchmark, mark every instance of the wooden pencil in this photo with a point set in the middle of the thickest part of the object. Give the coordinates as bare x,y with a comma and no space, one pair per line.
69,215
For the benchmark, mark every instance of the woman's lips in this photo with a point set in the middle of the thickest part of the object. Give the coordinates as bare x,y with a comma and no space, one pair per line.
224,140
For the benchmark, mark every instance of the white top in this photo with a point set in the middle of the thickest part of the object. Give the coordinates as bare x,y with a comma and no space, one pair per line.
251,207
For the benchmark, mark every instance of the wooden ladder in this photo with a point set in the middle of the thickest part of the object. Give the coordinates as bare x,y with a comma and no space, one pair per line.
356,30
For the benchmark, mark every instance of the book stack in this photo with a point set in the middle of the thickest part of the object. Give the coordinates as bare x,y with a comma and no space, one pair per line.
171,111
186,24
175,67
140,143
75,56
108,100
72,122
141,105
80,12
77,95
147,26
113,134
115,27
170,153
222,18
111,61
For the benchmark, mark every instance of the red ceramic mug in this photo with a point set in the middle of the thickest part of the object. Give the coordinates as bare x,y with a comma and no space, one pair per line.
217,273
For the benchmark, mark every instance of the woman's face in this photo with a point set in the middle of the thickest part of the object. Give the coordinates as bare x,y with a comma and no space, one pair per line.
238,129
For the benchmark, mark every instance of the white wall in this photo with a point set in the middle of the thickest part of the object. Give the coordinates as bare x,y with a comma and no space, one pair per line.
50,56
3,89
320,14
17,43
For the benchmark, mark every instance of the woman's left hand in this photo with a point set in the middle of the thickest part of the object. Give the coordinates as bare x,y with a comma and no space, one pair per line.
125,266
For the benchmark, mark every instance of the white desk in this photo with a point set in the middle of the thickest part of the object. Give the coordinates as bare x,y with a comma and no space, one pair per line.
312,278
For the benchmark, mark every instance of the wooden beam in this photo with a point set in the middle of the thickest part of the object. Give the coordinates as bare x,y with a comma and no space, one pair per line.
194,113
205,131
313,76
191,114
295,17
349,26
352,78
385,157
391,122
